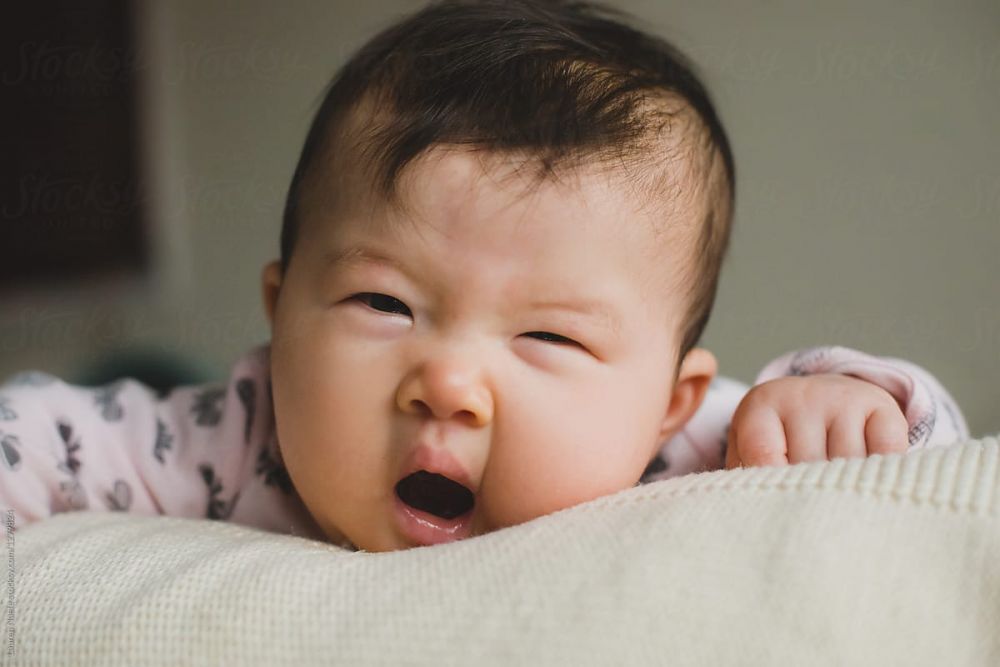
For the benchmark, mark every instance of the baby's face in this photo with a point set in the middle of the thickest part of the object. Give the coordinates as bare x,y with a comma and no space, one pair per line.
519,344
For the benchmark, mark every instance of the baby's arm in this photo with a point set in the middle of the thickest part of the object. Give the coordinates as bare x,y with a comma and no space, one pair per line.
931,414
121,447
62,448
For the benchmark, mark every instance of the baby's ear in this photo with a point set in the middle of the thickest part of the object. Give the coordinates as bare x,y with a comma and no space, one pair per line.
696,373
270,286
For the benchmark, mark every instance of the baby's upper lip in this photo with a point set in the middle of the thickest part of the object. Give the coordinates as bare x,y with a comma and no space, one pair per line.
437,460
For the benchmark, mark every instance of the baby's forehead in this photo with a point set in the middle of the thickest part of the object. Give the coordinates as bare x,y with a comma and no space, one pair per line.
465,205
448,183
665,185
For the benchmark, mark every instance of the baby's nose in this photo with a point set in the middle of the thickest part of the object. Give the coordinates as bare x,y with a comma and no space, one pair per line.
446,391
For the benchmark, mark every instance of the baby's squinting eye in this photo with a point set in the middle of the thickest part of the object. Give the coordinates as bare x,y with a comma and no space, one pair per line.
387,304
382,303
552,338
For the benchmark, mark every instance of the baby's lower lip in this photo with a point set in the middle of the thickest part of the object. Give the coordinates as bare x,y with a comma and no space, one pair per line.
426,529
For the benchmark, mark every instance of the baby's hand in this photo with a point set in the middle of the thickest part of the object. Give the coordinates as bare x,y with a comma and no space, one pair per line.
814,418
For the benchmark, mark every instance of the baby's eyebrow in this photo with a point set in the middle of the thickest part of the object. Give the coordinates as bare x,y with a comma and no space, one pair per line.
356,253
599,310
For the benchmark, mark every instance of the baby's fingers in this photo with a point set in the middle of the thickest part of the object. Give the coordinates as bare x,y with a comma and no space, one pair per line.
806,436
846,436
757,438
886,431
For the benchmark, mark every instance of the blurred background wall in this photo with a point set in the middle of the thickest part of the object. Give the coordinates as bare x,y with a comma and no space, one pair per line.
865,135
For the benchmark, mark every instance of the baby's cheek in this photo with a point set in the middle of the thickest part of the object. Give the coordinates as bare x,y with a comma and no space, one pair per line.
546,460
326,415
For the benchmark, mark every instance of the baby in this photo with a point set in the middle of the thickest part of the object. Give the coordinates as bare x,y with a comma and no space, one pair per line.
500,248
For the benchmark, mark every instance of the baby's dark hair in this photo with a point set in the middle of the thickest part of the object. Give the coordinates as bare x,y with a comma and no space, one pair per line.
564,83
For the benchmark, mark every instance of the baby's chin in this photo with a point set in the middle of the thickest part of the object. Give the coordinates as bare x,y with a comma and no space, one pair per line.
334,536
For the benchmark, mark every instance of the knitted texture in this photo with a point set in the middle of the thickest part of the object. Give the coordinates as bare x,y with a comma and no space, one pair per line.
885,560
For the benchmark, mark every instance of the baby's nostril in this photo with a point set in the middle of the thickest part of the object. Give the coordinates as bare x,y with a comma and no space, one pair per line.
421,408
435,494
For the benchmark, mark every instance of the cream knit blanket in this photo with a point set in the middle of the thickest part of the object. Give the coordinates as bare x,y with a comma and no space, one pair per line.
884,561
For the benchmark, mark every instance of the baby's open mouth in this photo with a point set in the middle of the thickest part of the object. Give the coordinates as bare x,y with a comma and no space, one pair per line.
435,494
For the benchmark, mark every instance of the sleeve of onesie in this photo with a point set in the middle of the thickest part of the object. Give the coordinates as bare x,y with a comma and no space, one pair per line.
122,447
932,414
